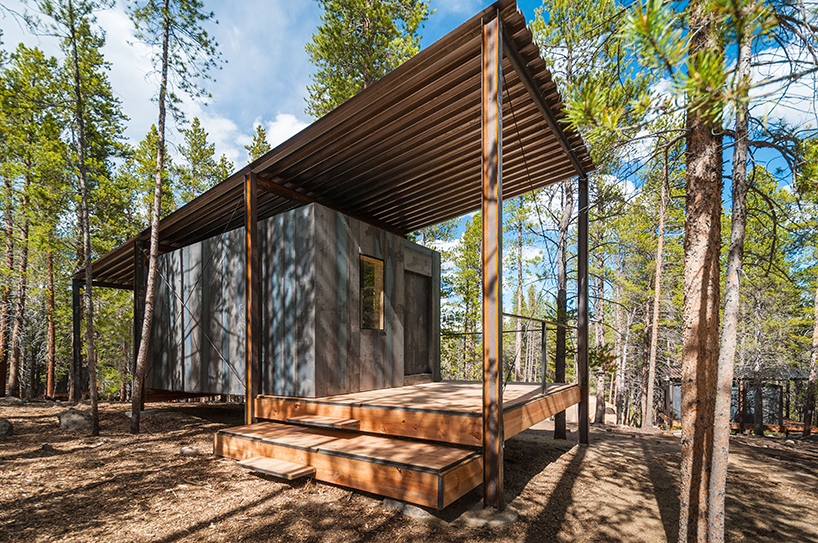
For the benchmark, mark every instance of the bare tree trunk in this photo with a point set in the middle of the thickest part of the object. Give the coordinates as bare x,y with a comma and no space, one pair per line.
518,336
657,295
562,298
15,388
732,301
50,380
599,339
619,345
6,311
809,406
153,258
123,385
79,119
645,402
700,340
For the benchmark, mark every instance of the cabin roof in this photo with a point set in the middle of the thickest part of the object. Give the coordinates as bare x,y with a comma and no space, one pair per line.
403,154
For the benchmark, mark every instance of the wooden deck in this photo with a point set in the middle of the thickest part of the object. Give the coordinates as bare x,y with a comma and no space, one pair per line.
449,412
416,443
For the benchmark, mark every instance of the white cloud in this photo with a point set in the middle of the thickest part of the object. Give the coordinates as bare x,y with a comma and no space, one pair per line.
284,126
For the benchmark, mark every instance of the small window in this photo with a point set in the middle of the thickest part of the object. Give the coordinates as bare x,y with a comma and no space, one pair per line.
371,293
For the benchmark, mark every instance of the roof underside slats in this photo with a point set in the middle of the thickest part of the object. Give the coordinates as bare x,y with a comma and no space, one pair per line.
403,154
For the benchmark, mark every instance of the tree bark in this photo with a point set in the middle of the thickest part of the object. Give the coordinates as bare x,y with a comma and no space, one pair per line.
700,341
518,336
6,311
645,402
51,357
153,258
79,119
657,295
809,405
732,303
15,388
562,299
599,338
619,347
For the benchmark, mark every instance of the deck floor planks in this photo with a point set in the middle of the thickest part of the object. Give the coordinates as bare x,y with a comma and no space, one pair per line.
449,412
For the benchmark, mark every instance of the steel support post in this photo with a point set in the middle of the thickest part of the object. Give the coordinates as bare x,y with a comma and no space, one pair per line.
492,216
582,309
253,321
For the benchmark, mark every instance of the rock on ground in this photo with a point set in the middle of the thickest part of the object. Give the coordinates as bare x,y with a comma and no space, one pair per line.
6,429
75,420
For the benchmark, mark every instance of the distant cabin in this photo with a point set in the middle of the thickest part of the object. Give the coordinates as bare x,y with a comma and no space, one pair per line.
345,307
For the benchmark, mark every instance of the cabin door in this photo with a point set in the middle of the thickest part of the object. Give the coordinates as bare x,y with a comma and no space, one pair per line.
417,324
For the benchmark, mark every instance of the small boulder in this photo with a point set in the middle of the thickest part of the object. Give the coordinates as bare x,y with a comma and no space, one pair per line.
189,451
75,420
11,400
6,429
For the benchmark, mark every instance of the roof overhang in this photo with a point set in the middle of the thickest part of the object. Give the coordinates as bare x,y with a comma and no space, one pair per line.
402,154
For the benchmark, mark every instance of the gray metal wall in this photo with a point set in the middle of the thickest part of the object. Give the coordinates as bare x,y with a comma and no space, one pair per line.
312,344
197,333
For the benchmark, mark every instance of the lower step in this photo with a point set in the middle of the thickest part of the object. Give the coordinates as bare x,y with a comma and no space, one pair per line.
278,468
422,473
325,422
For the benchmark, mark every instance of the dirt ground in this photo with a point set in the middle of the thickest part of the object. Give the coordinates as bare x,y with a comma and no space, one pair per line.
58,486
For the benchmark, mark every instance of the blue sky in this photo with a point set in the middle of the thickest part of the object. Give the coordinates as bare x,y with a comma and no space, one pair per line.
264,78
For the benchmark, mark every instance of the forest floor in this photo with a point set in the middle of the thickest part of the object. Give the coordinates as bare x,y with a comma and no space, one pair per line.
125,488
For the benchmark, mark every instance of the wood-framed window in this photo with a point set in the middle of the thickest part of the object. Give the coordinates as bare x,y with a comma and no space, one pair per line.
371,293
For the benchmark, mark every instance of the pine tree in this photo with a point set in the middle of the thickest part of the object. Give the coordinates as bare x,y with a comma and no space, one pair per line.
199,171
259,146
357,43
186,52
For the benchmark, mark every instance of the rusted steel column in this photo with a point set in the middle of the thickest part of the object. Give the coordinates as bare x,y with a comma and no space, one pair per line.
76,360
253,323
582,308
492,187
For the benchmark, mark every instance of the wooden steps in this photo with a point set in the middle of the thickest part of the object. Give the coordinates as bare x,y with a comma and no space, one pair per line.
325,422
428,474
278,468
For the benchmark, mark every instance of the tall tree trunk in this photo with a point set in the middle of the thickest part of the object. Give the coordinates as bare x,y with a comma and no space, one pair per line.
15,361
645,401
732,302
123,385
518,335
619,346
51,356
809,406
700,340
657,295
79,119
562,298
153,258
6,301
599,338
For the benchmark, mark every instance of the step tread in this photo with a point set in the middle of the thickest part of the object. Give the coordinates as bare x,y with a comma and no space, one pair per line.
389,450
325,422
278,468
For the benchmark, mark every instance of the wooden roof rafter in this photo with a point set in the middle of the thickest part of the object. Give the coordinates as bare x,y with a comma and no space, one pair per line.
402,154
